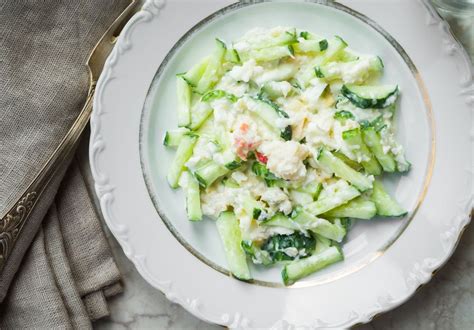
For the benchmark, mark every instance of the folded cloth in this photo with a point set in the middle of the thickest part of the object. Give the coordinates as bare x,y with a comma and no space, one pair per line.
68,271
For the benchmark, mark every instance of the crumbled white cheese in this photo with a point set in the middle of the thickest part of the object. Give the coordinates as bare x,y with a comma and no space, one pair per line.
280,73
277,200
204,149
283,87
223,112
216,200
246,71
229,85
239,177
291,251
261,233
285,158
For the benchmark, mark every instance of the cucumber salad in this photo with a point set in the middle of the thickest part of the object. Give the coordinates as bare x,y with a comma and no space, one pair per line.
283,137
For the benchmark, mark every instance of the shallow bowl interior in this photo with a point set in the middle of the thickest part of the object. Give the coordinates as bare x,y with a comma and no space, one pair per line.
367,239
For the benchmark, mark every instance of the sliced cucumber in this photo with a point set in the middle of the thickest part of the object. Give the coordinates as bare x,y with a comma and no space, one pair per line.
193,76
305,221
229,231
274,90
213,70
269,54
385,204
311,46
301,268
373,141
348,55
309,36
352,163
335,46
344,171
358,208
258,255
209,173
184,152
300,197
253,207
200,112
343,115
284,38
218,94
173,138
193,198
230,183
184,101
354,139
320,226
232,55
322,243
329,202
377,97
312,188
338,70
270,113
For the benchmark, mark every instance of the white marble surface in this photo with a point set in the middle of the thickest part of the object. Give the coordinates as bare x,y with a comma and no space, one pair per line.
446,302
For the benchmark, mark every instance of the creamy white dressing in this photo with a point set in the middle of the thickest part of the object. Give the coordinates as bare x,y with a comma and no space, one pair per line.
240,133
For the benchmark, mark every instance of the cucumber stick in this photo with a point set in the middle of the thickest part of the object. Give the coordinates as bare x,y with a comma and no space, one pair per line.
331,201
304,267
358,208
376,97
337,70
322,243
354,139
373,141
305,221
300,197
209,173
270,113
312,188
193,76
232,55
320,226
284,38
385,204
184,152
344,171
229,231
193,198
173,138
269,54
334,47
199,114
352,163
252,207
184,101
311,46
213,69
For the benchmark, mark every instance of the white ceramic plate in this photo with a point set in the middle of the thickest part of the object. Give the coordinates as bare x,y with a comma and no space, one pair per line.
386,260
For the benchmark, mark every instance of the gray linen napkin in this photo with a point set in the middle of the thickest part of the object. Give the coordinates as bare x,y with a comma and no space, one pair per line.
68,271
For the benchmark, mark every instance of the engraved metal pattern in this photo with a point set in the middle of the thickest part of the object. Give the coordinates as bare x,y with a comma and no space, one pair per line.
12,223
